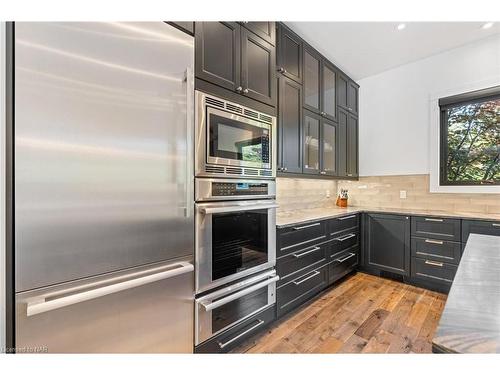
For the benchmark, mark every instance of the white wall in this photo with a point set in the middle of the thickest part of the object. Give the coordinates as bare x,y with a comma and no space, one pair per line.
395,105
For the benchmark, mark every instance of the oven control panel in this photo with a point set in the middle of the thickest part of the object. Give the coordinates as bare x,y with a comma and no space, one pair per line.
226,189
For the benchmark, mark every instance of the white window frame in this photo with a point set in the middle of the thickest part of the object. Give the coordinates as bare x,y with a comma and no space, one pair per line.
435,135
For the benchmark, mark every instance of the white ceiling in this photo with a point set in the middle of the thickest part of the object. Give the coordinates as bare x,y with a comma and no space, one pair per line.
362,49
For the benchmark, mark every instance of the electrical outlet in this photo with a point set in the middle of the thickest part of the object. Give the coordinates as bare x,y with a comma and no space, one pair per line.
402,194
328,193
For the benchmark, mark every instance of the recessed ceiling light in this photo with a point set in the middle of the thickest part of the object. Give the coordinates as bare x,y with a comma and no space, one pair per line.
401,26
487,25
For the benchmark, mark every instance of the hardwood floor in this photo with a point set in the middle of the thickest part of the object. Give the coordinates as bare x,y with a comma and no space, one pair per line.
363,314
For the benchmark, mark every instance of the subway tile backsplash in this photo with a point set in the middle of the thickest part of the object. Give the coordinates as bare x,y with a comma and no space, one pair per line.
380,192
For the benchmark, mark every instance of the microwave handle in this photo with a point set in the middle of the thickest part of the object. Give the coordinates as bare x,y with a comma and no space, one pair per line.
223,209
241,293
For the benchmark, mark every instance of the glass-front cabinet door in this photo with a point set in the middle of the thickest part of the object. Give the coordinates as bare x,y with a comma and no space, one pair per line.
329,94
312,86
328,148
310,139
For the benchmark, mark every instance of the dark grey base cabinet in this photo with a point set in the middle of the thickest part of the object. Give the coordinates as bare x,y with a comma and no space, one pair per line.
238,58
491,228
234,336
386,245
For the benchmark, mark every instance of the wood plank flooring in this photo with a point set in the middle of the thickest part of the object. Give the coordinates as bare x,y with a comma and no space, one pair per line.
363,314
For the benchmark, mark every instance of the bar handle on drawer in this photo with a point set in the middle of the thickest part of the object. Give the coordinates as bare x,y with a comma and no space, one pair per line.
306,226
347,217
314,274
434,242
496,225
436,220
315,248
223,345
345,258
431,263
344,238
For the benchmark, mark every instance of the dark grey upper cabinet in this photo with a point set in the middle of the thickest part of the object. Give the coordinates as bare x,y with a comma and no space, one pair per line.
289,126
265,30
329,91
328,147
352,146
310,142
342,144
290,49
217,54
387,243
258,68
312,80
347,92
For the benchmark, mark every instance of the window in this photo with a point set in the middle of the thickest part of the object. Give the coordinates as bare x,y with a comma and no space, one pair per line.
470,138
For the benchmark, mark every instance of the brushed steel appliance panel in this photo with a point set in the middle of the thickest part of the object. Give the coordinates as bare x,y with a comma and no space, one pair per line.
147,309
231,305
208,166
203,189
204,212
103,115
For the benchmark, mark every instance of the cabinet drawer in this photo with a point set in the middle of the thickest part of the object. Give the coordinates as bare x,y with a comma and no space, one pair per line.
299,261
300,289
342,223
234,336
300,236
430,270
491,228
343,263
435,227
438,250
343,240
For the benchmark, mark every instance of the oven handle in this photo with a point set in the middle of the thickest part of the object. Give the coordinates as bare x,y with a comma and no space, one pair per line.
223,209
241,293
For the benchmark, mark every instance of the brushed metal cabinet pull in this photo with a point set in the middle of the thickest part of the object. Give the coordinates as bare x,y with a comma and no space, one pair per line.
315,248
436,220
431,263
344,238
345,258
314,274
434,242
495,225
306,226
223,345
347,217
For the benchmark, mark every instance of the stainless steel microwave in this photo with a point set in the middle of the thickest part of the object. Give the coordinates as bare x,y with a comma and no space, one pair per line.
233,140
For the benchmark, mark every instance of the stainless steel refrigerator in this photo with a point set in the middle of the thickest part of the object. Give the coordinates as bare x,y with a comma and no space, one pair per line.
104,233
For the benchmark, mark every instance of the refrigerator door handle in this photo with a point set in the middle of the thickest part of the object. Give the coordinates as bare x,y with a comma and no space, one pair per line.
40,305
189,138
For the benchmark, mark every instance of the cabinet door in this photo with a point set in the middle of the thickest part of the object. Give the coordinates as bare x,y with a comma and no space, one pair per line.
312,84
328,147
352,146
266,30
289,54
217,55
290,126
258,66
387,243
310,142
328,91
342,143
342,85
352,97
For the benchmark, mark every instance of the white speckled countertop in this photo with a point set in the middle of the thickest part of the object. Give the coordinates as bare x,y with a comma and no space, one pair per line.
312,214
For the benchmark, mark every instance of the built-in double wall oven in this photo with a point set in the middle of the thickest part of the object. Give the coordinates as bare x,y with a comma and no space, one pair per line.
235,216
233,140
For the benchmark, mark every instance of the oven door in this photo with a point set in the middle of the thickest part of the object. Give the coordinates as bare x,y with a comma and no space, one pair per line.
237,140
226,307
233,240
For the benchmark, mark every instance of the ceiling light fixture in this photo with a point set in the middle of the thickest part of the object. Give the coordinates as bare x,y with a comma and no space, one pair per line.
401,26
487,25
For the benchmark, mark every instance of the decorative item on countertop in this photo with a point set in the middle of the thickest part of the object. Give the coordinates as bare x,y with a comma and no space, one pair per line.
342,198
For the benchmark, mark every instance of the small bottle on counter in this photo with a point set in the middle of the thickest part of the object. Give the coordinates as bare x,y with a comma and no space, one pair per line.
342,198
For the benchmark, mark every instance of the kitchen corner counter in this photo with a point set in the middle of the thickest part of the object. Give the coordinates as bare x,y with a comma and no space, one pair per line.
470,322
303,216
